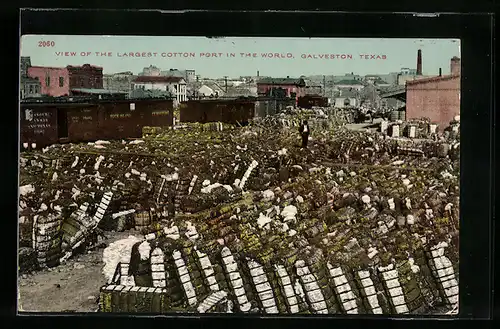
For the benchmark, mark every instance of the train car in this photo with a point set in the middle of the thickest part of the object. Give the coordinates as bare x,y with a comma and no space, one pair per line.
52,121
310,101
230,111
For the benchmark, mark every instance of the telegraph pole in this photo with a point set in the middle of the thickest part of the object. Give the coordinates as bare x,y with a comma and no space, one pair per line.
331,86
324,86
196,92
225,82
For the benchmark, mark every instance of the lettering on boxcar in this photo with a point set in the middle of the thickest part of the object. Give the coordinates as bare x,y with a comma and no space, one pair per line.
158,113
120,115
28,115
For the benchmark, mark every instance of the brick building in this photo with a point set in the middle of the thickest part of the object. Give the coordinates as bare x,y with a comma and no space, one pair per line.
29,87
437,98
282,87
59,81
119,81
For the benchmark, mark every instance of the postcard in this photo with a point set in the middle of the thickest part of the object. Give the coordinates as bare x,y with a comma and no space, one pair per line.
285,176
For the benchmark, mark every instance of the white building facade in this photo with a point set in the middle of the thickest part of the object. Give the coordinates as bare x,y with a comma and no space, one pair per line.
341,102
174,85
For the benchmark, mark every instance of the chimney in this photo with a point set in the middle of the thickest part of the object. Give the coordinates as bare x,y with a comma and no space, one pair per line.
257,74
419,62
455,65
440,72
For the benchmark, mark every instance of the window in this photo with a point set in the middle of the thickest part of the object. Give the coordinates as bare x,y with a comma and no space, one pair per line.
61,82
47,81
31,89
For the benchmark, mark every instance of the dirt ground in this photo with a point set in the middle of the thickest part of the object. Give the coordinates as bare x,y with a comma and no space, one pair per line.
70,287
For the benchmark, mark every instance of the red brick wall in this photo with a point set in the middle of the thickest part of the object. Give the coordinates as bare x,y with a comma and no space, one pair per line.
53,89
438,100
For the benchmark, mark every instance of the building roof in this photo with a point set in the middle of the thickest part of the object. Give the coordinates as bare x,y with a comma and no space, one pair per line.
240,91
139,93
67,66
380,82
348,93
47,67
433,79
173,73
84,65
282,81
119,73
349,82
26,79
213,85
157,79
97,91
26,60
397,92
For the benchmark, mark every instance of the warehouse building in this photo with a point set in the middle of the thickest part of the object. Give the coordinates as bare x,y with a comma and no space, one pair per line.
437,98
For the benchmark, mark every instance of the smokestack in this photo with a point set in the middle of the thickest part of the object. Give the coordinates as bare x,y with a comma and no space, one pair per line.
455,66
419,62
257,74
440,72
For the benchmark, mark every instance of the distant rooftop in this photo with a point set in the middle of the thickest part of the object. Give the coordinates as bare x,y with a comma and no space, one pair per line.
26,79
120,73
380,82
282,81
213,85
173,73
68,66
349,82
84,66
348,93
97,91
157,79
433,79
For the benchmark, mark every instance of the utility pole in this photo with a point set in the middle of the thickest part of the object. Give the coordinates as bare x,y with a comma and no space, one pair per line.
331,87
196,92
225,82
324,86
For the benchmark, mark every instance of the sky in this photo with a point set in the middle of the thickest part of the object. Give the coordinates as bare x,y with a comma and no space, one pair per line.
50,50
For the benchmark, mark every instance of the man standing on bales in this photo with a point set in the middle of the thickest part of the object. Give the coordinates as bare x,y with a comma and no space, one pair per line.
305,131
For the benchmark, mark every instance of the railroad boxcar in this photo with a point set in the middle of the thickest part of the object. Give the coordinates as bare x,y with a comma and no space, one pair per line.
57,121
310,101
230,111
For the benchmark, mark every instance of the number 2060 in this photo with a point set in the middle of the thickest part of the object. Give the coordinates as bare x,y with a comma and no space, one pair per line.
46,43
